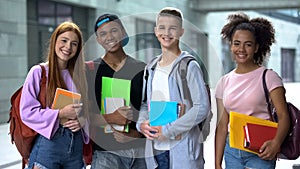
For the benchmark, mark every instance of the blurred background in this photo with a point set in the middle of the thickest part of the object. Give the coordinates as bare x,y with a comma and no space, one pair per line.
26,26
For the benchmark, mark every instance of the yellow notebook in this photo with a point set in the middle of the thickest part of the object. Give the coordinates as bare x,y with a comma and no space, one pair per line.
64,97
237,121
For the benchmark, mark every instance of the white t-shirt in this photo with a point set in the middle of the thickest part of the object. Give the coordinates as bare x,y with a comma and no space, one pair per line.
160,92
160,84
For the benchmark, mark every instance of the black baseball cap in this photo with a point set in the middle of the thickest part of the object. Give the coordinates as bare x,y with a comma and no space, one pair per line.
108,18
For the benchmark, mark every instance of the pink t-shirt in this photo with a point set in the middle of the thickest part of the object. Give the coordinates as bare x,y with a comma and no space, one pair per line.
244,93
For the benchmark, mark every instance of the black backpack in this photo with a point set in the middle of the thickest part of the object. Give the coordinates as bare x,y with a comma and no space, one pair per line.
183,64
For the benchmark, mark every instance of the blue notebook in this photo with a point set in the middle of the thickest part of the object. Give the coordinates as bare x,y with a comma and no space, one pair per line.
162,112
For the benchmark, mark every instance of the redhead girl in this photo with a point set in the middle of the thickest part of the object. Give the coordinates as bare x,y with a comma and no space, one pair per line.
59,144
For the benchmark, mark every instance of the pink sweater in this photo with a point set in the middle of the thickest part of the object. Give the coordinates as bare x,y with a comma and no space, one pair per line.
44,121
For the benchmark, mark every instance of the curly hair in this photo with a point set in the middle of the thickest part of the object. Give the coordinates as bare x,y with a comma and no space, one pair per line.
263,32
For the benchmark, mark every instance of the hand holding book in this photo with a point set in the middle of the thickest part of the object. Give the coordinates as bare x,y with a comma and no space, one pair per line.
70,111
122,116
112,91
150,132
164,112
68,104
236,127
256,135
117,115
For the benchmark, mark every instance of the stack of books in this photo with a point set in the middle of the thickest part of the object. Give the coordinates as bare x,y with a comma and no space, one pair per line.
248,133
115,94
256,135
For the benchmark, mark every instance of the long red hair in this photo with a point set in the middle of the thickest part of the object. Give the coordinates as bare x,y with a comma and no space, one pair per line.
76,65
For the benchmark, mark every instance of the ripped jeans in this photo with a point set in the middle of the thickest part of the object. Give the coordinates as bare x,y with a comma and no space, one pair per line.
64,150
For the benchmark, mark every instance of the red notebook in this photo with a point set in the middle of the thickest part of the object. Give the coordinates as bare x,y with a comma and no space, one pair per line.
256,135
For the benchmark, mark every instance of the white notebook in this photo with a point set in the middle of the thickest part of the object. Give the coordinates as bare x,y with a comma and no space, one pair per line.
111,105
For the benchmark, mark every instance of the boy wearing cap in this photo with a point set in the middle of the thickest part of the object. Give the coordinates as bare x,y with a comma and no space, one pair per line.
116,149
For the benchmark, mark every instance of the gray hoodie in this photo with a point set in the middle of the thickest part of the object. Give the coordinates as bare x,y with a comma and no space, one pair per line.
188,152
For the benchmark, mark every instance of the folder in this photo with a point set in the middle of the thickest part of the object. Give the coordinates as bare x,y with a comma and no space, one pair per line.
256,135
237,122
162,112
115,88
63,98
112,104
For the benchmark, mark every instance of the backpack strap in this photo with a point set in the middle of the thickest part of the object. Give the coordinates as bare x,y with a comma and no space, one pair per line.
146,76
183,64
267,95
43,86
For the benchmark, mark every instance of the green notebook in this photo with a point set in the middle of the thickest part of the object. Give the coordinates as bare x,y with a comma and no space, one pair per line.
115,88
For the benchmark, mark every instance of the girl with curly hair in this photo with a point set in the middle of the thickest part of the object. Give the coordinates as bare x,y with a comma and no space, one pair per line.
241,90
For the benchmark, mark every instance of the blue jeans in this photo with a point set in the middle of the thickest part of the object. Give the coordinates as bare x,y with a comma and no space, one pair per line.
163,159
121,159
239,159
64,150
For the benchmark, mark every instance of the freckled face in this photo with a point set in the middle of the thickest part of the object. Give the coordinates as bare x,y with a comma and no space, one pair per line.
66,46
243,46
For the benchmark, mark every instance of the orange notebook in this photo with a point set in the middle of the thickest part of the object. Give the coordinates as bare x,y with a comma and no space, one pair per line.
64,97
256,135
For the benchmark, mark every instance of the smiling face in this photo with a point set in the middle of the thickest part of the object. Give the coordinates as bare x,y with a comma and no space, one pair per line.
243,47
109,35
66,46
168,30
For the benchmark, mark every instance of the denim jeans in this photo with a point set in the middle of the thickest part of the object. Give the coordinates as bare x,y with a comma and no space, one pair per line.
163,159
239,159
121,159
64,150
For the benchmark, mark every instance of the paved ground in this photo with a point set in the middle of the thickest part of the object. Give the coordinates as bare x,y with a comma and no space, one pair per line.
9,156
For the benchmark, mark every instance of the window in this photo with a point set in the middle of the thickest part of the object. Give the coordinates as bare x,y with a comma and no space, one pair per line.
227,61
288,65
147,45
43,16
51,13
197,45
